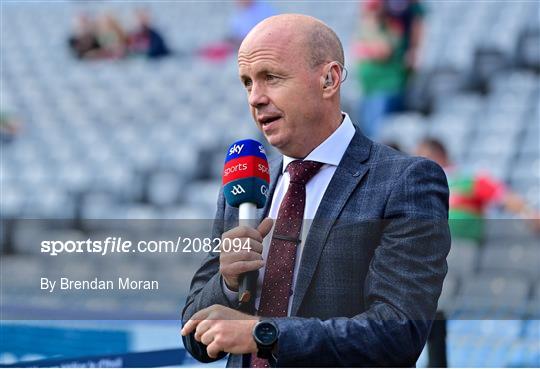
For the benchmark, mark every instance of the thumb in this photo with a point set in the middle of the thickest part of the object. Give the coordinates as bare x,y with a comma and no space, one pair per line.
265,226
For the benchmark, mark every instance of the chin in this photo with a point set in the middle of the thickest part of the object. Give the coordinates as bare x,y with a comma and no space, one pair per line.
275,141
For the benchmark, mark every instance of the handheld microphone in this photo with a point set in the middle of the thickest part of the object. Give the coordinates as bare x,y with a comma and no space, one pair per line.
246,177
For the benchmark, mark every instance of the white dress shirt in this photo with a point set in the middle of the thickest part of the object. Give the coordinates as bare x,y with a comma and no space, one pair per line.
329,152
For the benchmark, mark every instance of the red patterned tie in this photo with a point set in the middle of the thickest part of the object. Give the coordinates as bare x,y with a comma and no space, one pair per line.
278,275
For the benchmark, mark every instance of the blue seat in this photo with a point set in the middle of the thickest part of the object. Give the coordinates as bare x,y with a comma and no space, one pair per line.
512,259
493,296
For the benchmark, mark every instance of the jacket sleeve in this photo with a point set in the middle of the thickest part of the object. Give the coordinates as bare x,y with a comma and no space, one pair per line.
206,289
402,286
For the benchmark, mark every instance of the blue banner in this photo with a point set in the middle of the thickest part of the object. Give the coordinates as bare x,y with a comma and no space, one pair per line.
133,360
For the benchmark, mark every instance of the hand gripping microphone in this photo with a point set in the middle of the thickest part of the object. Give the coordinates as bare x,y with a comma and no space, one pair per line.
246,178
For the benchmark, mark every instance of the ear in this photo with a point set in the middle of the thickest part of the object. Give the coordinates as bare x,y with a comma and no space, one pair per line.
331,81
324,81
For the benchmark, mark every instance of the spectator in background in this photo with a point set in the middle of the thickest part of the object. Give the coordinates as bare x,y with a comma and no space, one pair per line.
386,48
146,39
406,16
471,194
246,15
9,128
393,144
100,38
84,40
112,39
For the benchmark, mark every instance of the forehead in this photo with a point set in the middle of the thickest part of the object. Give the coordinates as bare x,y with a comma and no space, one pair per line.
269,52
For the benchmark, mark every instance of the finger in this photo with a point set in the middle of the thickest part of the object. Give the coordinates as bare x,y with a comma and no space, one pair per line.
265,227
241,267
192,323
245,256
237,252
213,349
207,337
202,328
256,246
234,245
243,232
227,266
189,327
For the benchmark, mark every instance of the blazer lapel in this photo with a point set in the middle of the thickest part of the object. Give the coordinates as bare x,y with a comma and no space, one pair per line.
348,175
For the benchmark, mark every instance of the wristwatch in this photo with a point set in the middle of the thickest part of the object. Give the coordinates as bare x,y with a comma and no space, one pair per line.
265,334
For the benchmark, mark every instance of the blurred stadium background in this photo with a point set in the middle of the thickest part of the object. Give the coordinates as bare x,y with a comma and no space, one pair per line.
139,139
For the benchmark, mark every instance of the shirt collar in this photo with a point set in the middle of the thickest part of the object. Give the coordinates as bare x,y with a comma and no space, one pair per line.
331,150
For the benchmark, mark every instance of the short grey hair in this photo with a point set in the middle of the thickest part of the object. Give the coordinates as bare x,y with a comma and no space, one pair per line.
323,45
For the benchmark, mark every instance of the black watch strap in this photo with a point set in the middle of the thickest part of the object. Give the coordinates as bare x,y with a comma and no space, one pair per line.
272,360
264,352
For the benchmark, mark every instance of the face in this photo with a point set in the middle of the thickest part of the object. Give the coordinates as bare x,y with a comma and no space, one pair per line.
143,17
284,93
426,152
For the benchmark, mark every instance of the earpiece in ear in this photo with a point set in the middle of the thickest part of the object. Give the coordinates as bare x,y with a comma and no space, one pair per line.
329,80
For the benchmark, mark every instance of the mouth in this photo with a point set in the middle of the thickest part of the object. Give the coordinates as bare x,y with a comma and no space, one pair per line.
266,121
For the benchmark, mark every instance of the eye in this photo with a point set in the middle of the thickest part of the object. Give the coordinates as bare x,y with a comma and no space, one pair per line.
271,78
247,83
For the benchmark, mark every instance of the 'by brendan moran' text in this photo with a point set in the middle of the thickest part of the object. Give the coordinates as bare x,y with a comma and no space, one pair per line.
98,284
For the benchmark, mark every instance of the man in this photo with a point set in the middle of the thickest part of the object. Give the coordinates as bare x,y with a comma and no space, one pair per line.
246,15
386,47
472,193
349,290
84,40
147,40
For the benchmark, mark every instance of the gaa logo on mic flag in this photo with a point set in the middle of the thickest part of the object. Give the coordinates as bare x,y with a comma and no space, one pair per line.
246,175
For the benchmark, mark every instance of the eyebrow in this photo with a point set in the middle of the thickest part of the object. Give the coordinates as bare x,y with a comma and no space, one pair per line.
265,69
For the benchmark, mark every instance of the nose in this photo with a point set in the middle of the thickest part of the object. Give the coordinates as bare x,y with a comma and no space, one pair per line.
257,96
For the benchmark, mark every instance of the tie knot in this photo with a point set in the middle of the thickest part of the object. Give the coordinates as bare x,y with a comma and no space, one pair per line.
302,171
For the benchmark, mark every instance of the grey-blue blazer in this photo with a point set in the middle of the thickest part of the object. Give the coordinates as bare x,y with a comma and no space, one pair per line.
372,266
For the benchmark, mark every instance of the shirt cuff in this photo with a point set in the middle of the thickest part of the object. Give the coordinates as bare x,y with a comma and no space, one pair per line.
231,295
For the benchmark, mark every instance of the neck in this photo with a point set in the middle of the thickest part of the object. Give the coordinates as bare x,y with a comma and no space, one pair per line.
328,126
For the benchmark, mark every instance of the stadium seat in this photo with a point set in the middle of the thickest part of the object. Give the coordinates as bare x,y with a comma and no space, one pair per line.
449,290
528,49
492,296
512,259
164,188
462,259
487,63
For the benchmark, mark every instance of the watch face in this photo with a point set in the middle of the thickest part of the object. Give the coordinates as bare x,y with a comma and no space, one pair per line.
266,333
